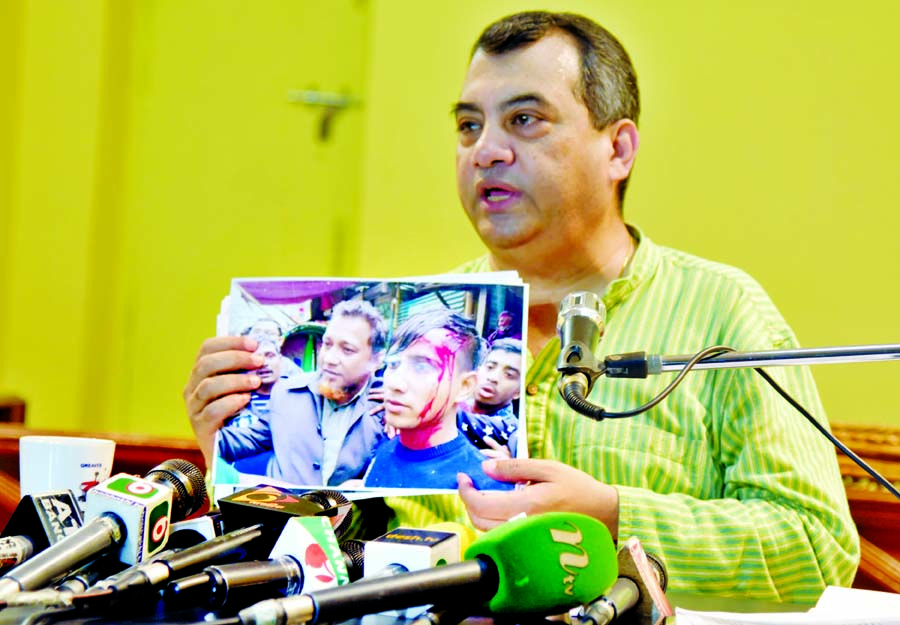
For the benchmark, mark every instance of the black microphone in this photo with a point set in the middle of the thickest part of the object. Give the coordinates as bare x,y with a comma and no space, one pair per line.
242,583
546,563
274,507
39,520
150,575
580,325
71,587
124,511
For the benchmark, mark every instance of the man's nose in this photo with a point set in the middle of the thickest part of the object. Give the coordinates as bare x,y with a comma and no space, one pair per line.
328,355
394,380
493,147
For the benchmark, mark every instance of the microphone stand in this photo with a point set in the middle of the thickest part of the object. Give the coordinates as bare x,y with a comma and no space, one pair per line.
579,369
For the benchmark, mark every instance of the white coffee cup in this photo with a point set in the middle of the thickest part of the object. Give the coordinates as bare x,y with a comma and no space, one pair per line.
49,463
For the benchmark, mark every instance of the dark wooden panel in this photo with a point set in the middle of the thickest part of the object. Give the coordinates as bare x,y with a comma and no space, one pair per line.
12,409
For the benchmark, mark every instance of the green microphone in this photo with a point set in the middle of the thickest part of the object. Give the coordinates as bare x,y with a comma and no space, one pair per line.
543,564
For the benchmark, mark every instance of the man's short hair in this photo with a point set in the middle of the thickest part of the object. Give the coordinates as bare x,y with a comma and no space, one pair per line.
513,346
471,345
608,85
364,310
256,328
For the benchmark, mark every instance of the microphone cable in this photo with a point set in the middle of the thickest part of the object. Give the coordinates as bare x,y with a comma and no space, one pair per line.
574,396
831,437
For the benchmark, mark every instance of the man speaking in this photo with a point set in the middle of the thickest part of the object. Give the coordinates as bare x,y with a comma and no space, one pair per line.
724,480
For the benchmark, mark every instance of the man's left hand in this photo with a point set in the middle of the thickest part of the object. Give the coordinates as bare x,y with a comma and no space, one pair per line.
544,486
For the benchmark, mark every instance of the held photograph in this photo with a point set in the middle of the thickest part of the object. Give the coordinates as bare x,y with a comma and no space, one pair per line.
376,385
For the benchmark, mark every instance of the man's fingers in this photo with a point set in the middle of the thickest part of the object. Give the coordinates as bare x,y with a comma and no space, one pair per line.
216,412
226,362
489,508
214,365
220,387
226,343
523,470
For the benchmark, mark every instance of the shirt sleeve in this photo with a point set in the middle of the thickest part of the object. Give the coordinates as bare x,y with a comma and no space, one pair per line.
239,442
782,527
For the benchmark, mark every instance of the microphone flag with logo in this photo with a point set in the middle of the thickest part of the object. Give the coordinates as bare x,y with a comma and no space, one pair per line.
172,490
43,519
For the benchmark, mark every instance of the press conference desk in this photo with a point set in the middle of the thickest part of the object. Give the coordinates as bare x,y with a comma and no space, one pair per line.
694,602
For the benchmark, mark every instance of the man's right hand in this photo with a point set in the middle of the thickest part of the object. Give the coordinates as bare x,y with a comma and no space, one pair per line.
219,386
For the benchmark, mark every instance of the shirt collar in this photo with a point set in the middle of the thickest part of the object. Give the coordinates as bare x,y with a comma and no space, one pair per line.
643,264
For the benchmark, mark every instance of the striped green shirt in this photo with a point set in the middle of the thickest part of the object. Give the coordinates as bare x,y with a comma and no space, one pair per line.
726,482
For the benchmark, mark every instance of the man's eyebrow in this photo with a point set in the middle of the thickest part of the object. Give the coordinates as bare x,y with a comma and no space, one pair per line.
464,107
525,98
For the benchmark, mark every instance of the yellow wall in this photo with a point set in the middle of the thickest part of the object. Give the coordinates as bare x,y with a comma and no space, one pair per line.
50,209
148,153
159,157
9,80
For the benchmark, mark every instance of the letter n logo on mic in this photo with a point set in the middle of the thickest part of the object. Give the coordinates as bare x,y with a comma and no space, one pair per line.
143,507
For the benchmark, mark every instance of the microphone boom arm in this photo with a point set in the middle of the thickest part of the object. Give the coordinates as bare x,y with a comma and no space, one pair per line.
621,365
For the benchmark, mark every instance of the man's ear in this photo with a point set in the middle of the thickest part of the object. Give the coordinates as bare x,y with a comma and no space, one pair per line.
467,385
625,140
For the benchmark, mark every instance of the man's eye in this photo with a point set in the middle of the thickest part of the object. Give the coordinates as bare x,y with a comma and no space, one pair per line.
349,351
467,126
523,119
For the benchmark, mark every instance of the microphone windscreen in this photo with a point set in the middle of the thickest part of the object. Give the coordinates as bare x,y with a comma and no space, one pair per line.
549,562
336,506
354,557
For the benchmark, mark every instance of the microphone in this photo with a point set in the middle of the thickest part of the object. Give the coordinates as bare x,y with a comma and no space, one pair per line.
194,531
276,508
149,575
543,564
580,325
273,506
39,520
639,589
404,549
172,490
316,562
64,594
134,517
